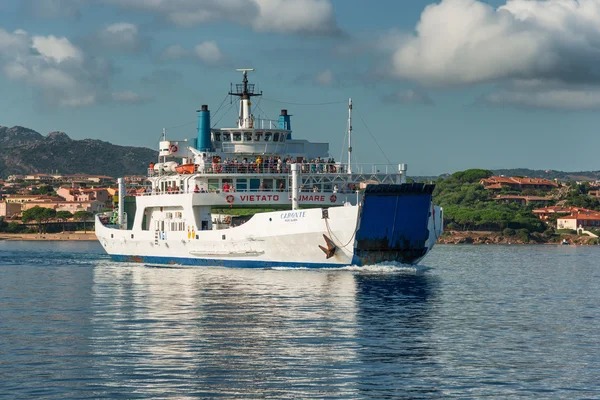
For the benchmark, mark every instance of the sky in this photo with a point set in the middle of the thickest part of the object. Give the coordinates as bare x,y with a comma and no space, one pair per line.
442,86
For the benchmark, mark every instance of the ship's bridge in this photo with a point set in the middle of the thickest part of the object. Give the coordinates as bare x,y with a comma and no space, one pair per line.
262,137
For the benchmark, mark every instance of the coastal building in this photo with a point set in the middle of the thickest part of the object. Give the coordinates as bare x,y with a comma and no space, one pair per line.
546,212
135,179
14,178
517,183
82,194
594,193
83,179
42,178
29,198
10,210
71,206
578,221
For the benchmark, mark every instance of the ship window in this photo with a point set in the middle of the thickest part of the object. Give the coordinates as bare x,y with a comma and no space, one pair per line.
213,185
268,184
169,215
254,185
227,137
241,185
276,137
237,137
257,136
268,136
282,138
177,215
217,136
280,184
229,182
247,136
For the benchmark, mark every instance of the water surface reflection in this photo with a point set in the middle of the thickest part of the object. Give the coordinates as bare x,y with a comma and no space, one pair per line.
260,333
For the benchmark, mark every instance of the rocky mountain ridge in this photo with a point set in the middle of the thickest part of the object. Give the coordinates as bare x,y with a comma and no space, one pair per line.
25,151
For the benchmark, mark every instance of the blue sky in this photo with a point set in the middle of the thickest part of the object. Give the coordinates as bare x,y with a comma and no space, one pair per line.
442,86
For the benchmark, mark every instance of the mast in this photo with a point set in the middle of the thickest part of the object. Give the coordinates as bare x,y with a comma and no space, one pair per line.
349,136
245,91
164,138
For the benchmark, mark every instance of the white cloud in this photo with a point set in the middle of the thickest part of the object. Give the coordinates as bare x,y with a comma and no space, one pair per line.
468,41
56,49
284,16
60,71
325,78
408,96
121,36
207,52
545,94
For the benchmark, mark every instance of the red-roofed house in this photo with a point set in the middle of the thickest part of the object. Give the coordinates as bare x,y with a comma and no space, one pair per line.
578,220
546,212
500,182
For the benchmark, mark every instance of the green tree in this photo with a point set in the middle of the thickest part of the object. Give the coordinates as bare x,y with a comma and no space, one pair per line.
40,215
63,216
83,216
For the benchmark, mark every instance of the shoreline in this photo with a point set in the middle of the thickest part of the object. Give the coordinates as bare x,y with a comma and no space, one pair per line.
64,236
483,237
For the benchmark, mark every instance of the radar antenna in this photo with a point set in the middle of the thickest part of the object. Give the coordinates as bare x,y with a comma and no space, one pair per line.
245,91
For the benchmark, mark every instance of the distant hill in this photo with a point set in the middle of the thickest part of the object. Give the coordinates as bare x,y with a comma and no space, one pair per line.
531,173
550,174
24,151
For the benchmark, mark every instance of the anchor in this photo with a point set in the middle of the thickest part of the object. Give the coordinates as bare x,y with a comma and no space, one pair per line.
331,247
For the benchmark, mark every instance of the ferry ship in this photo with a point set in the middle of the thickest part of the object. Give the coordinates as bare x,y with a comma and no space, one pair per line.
321,213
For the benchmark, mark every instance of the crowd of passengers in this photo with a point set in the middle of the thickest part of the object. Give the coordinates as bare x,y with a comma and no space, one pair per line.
273,165
227,188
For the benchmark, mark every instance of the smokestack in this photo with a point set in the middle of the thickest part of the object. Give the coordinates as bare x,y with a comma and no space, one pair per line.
204,142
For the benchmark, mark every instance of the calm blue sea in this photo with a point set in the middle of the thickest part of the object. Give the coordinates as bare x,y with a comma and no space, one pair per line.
476,322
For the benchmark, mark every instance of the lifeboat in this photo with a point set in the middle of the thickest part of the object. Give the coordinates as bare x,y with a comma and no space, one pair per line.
186,169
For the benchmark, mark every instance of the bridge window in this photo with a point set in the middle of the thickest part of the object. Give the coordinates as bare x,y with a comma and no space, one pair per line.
258,136
268,136
227,137
282,138
217,136
237,137
276,137
247,136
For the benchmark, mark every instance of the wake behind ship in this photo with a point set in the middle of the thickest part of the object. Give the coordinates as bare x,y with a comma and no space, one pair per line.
324,213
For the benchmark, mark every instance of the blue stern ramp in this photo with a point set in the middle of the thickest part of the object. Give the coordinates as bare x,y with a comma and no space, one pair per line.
393,223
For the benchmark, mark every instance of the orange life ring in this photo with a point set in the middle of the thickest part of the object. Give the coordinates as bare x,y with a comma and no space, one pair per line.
219,168
230,199
333,198
173,149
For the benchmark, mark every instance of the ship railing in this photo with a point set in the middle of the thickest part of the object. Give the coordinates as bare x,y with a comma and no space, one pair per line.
263,123
267,167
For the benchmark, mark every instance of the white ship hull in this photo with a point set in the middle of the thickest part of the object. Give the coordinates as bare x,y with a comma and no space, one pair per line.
295,239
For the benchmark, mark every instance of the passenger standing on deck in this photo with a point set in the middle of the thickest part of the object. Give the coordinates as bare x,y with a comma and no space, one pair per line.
226,187
196,189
